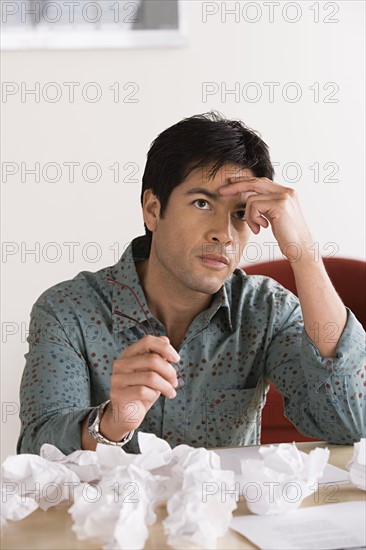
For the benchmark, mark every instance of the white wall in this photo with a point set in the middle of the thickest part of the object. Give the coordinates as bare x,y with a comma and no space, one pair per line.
170,87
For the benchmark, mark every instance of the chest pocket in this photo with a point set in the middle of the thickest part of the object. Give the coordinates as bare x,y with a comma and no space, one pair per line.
233,417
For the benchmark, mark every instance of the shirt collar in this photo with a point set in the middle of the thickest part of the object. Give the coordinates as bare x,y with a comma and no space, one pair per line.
123,300
221,301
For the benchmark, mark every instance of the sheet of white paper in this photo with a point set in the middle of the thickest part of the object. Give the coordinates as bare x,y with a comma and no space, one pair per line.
230,460
326,527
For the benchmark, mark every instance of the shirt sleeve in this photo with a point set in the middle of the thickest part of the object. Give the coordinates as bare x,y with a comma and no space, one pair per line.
55,387
325,397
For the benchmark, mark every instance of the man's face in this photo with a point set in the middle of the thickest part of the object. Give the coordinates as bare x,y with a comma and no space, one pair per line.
198,225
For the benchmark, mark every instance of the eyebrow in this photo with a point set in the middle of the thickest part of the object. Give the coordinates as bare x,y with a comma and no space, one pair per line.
214,196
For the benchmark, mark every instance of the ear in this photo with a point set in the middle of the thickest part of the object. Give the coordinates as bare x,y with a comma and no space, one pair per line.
151,210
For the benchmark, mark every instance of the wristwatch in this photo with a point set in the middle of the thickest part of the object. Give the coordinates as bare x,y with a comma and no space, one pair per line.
94,423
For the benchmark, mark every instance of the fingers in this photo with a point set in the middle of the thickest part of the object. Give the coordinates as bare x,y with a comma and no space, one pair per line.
242,184
150,380
148,370
148,344
139,377
147,363
143,394
258,207
260,221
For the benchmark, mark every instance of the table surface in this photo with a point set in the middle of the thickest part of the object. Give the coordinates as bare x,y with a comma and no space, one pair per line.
52,529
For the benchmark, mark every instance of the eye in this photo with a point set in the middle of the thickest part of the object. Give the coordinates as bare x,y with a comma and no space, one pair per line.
240,215
201,203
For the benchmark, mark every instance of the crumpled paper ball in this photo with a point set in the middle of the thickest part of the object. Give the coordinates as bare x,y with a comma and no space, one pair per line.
13,505
115,493
47,483
282,478
83,463
194,503
117,511
357,465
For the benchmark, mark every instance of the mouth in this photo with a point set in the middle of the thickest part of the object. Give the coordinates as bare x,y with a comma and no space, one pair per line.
214,260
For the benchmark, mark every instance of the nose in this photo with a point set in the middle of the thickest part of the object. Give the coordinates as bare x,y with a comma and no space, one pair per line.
221,233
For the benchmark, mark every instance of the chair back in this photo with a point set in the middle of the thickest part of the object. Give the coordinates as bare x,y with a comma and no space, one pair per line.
348,277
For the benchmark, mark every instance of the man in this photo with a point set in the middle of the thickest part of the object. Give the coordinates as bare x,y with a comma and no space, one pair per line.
103,345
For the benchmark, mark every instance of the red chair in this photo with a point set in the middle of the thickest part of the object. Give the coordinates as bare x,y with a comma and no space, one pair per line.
349,279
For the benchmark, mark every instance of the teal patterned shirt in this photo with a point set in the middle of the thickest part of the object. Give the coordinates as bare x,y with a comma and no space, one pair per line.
252,333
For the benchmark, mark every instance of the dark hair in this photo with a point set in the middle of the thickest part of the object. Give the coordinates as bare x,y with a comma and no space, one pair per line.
199,141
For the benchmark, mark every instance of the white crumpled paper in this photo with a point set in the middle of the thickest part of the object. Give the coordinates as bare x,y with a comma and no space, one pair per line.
357,465
117,510
14,506
32,476
115,493
83,463
200,500
282,478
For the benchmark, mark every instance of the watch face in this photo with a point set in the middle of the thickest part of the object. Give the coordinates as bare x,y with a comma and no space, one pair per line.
93,428
92,418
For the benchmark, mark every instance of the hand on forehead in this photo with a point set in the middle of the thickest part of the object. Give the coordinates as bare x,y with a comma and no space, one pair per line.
239,173
231,174
225,173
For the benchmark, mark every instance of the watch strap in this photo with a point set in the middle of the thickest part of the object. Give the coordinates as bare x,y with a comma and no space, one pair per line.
94,420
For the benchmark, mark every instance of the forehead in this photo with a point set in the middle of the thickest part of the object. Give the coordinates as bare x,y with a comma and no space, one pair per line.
200,179
202,175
